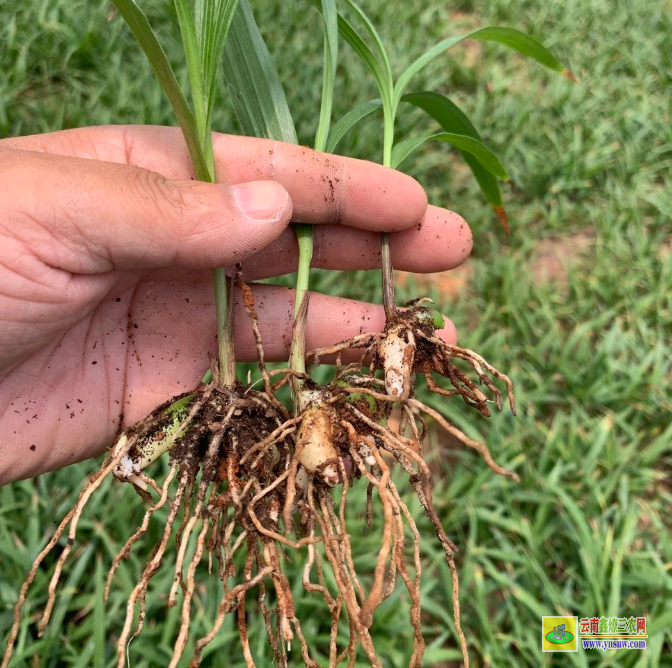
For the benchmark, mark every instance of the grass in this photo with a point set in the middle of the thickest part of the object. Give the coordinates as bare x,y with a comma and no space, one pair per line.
587,531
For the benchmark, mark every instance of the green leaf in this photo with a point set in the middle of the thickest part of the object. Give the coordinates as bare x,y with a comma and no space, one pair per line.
348,121
520,42
420,63
514,39
376,62
193,56
374,36
443,111
212,20
142,30
463,142
330,16
256,92
99,631
453,120
438,320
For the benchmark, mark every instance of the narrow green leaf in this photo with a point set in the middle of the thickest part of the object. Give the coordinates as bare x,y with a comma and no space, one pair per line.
256,92
193,56
99,631
420,63
142,30
377,64
453,120
520,42
330,16
213,20
344,124
375,37
443,111
514,39
466,144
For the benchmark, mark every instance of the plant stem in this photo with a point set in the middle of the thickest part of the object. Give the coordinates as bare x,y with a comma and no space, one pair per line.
304,233
225,327
204,167
304,236
224,305
385,253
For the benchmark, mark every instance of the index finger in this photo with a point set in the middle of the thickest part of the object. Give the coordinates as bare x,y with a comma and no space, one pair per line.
324,188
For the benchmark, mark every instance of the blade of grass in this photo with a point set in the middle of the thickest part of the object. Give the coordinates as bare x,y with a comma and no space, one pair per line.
376,62
453,120
328,73
256,92
99,632
514,39
486,158
304,233
210,32
379,66
347,122
142,30
212,23
192,54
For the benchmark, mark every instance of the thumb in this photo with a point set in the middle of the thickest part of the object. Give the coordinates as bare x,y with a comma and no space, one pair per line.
88,216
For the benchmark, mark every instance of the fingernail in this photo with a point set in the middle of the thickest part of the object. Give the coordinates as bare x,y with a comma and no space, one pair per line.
260,200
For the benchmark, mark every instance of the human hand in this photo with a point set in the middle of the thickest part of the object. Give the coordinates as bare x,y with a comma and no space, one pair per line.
105,290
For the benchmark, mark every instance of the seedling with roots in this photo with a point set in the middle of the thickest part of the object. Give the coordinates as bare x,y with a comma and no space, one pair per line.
249,479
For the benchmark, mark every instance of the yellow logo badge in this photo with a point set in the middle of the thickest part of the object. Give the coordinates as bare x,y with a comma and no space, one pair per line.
559,634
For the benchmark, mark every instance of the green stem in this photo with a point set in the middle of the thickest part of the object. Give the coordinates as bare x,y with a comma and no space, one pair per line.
196,130
385,253
304,236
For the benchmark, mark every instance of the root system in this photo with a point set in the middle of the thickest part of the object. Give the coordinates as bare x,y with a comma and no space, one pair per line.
249,482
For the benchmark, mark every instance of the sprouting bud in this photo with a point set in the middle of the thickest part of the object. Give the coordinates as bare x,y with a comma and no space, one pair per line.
318,456
398,357
166,427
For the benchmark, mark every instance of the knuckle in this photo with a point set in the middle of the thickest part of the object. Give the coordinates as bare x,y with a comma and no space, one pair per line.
164,202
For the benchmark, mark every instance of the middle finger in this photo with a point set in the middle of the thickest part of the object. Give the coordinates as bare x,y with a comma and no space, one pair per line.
441,241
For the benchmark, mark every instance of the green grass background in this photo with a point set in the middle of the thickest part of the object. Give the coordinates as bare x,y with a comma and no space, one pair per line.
587,531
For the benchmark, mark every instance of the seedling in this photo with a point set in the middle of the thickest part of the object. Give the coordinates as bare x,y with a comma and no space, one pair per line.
249,477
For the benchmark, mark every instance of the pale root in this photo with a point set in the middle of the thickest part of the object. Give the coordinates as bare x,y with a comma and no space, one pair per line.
318,456
398,357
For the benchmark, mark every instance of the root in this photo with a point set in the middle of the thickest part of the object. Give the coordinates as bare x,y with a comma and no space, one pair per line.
181,641
276,468
278,652
342,580
248,301
375,596
242,622
120,449
152,566
451,429
126,550
361,341
470,442
83,499
223,609
478,364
